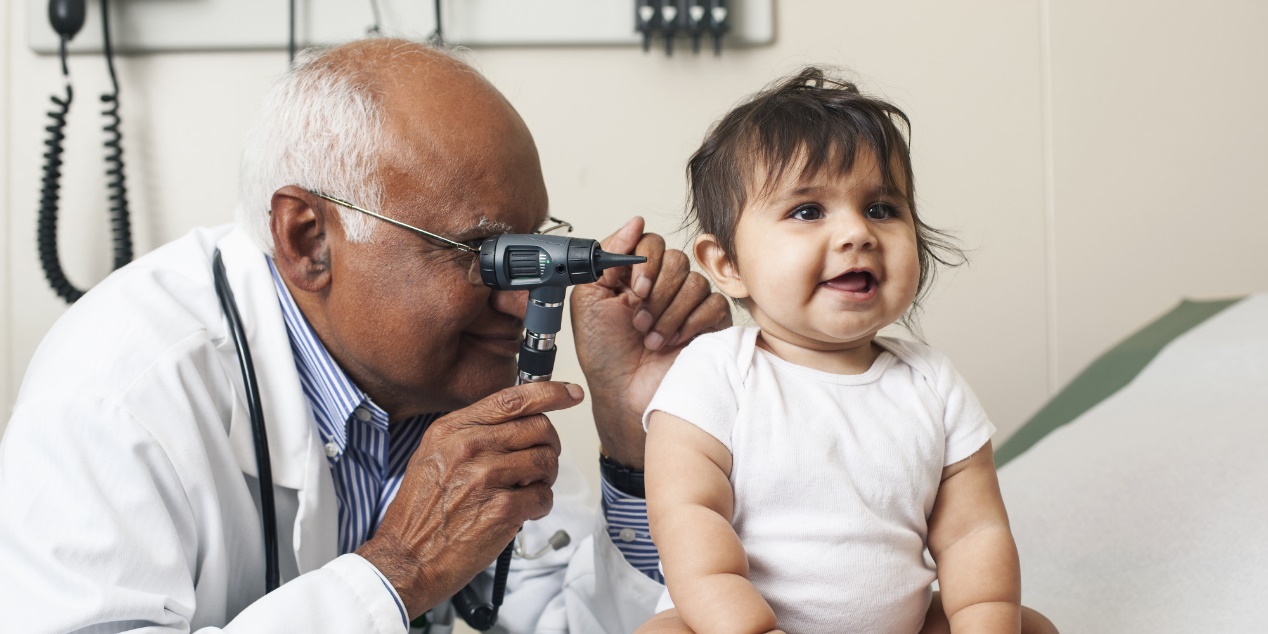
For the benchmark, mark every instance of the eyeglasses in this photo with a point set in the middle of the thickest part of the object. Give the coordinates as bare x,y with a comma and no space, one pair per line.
551,225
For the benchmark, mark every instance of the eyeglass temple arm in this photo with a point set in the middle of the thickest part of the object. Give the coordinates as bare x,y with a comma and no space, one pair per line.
456,245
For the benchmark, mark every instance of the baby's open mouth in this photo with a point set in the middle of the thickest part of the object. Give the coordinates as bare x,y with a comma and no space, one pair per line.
853,282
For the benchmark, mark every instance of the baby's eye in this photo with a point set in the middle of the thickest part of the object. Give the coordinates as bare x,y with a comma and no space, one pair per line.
807,212
881,211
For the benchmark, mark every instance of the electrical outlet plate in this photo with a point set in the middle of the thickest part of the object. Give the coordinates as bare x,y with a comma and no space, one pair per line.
141,26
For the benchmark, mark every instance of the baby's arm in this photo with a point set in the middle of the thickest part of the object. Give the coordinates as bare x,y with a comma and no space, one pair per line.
689,505
969,538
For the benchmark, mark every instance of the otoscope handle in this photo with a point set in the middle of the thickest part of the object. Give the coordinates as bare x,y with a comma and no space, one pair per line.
545,312
535,365
545,266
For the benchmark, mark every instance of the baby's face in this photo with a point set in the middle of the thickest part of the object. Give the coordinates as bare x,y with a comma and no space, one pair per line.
827,260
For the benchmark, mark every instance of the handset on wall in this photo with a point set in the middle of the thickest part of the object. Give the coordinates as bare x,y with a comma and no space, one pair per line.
67,18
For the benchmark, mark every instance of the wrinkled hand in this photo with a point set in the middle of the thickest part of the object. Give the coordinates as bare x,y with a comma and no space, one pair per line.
629,327
478,474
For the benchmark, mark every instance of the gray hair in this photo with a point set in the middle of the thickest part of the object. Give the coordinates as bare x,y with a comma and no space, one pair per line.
321,128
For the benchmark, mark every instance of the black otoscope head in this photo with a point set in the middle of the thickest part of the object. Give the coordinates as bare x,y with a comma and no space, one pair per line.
545,266
516,262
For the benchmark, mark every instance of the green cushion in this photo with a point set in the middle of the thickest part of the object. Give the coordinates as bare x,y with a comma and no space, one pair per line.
1108,374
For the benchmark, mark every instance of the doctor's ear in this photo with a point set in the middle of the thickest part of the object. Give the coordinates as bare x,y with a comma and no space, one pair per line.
720,267
299,222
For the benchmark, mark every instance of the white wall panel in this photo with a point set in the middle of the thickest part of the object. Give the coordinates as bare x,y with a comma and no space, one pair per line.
6,301
1161,147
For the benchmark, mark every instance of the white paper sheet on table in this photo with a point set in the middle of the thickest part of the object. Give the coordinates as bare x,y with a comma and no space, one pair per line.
1149,513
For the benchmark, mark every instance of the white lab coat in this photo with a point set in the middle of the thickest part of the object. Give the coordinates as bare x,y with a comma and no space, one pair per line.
127,479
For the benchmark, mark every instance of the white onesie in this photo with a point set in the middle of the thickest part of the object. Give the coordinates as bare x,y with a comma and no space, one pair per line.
834,475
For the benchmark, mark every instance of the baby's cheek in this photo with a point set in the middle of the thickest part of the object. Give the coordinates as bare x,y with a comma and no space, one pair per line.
909,276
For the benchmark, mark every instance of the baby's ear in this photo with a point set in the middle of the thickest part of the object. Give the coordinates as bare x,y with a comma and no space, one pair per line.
719,266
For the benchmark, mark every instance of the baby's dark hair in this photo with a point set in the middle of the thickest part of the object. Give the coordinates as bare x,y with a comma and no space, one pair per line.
813,119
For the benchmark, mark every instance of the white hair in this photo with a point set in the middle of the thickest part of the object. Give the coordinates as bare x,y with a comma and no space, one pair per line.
321,128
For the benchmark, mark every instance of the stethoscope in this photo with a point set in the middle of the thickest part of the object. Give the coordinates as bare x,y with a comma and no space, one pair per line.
478,613
263,468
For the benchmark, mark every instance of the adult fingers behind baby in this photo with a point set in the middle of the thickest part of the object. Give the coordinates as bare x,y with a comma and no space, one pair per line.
645,277
712,314
674,271
694,309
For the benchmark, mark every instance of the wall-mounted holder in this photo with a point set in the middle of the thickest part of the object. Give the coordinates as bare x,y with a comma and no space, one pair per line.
208,25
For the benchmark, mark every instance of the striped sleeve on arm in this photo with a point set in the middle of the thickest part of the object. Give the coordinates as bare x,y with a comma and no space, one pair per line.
629,530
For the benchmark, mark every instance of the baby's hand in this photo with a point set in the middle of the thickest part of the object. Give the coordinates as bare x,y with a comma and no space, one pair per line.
668,622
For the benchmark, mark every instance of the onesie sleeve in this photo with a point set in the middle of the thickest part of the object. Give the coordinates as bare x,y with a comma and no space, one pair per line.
967,426
704,385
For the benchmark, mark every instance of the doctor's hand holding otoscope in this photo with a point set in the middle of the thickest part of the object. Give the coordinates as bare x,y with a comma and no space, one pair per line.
498,458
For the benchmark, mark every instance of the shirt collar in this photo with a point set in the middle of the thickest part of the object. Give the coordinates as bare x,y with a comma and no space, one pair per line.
337,402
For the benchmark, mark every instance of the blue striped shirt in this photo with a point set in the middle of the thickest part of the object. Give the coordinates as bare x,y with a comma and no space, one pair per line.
367,456
628,528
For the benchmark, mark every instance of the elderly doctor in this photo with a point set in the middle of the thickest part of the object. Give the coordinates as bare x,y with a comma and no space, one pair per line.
402,460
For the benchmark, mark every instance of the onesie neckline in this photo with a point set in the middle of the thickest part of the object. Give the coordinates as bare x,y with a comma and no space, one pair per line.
882,363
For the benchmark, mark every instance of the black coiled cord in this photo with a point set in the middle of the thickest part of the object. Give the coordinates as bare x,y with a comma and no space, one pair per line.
499,576
46,232
482,615
120,223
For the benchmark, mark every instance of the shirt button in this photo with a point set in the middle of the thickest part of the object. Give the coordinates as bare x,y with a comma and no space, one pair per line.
362,414
628,535
332,450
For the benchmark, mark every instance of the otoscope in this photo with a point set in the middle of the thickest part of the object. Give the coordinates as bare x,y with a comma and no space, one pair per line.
545,266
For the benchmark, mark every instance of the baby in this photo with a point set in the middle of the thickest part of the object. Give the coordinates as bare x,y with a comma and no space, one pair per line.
797,470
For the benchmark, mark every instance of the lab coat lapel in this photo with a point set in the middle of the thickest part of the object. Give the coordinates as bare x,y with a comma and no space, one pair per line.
295,451
317,521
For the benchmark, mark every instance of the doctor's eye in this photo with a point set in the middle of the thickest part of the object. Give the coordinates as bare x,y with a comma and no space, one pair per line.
807,213
881,211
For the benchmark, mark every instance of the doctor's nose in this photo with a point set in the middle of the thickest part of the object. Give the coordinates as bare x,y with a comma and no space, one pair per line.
513,303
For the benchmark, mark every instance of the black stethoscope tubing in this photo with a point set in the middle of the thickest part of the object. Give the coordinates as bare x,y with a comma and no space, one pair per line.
480,614
264,469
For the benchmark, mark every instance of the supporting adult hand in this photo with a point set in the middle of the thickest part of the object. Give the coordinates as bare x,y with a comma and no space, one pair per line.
478,474
629,327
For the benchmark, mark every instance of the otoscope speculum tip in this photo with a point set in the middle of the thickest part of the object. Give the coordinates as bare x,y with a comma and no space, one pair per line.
604,260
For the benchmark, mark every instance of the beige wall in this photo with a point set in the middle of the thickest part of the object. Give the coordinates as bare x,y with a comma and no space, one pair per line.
1161,152
6,299
1099,161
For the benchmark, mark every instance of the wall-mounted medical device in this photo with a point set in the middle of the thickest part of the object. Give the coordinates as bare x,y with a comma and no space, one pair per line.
692,20
204,25
65,18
